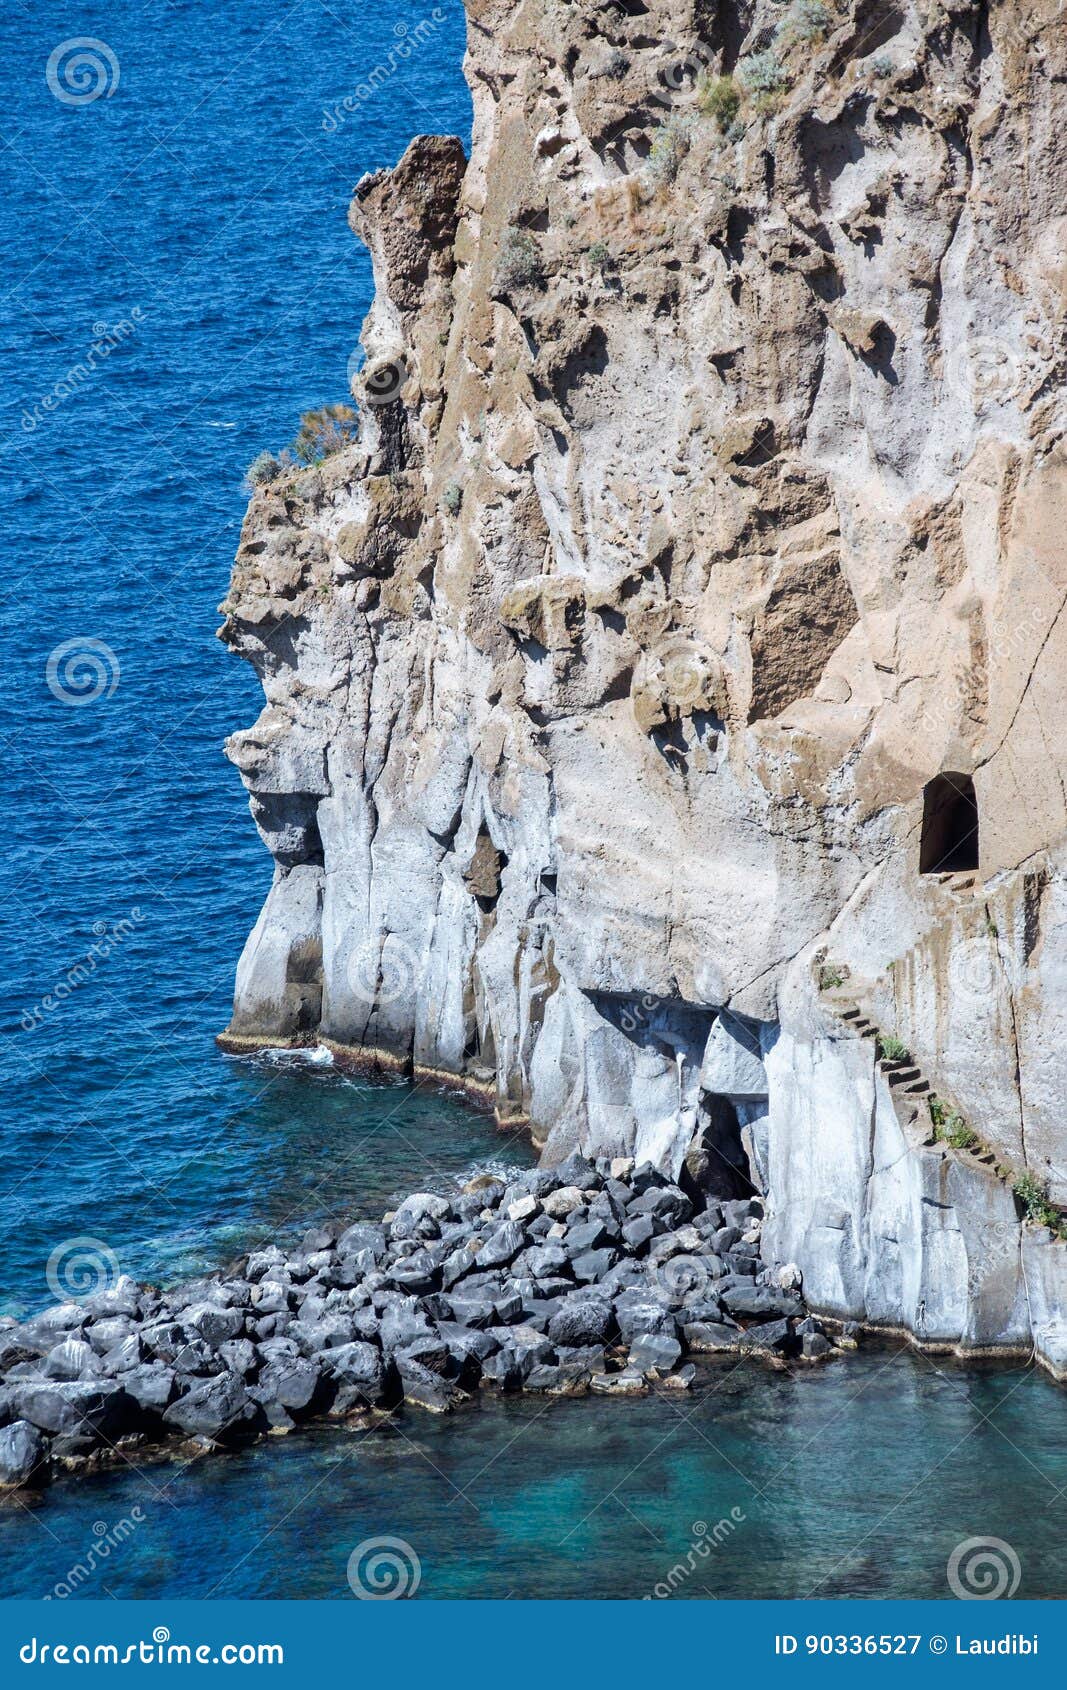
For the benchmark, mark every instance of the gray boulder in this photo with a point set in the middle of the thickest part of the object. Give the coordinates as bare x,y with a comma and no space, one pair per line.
704,1337
592,1266
655,1352
219,1410
23,1453
424,1388
502,1246
86,1413
292,1381
362,1236
152,1387
638,1233
582,1322
72,1359
636,1315
771,1335
103,1335
758,1302
213,1324
358,1374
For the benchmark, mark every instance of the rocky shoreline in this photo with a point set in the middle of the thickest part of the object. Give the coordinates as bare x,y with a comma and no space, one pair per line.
600,1277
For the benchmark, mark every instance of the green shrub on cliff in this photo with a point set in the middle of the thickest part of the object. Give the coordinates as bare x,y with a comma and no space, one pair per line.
719,97
669,146
1033,1195
892,1049
520,263
263,468
323,431
806,20
763,73
958,1134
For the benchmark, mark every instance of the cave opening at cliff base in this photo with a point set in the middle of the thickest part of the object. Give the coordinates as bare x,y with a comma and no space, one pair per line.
949,841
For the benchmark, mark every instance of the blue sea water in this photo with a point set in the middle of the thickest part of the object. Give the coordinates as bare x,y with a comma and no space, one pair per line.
192,218
202,203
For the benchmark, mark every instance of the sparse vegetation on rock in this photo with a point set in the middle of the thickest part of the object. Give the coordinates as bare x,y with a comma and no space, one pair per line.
669,146
263,468
806,20
720,97
763,73
892,1049
323,431
520,264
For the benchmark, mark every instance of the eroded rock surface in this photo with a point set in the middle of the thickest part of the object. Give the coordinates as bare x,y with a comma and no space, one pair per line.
708,504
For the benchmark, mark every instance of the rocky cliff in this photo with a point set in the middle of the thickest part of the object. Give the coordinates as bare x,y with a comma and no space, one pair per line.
676,658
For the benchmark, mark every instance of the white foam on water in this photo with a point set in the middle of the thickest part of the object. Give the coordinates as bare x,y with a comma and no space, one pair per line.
315,1056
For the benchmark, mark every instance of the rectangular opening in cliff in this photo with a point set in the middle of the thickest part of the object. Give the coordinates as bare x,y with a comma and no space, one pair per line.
950,825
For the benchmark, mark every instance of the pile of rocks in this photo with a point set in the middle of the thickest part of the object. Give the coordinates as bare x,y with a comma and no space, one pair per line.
598,1277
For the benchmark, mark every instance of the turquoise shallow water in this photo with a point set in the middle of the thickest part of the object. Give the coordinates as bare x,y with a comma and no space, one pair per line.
208,195
856,1480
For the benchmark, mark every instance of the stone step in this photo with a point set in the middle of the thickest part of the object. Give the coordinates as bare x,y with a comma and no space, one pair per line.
921,1088
903,1076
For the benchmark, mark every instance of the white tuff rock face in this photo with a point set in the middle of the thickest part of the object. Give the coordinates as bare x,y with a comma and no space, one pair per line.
710,501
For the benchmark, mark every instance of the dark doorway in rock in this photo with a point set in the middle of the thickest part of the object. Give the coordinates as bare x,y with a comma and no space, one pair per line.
716,1163
950,825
